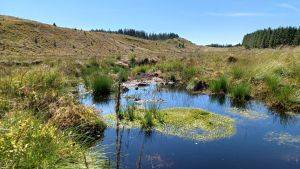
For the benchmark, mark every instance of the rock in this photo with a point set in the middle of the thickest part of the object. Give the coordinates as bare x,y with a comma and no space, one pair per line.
142,84
145,61
125,89
136,99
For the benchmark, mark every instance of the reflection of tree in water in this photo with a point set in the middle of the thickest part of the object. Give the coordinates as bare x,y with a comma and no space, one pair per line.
147,135
118,132
119,137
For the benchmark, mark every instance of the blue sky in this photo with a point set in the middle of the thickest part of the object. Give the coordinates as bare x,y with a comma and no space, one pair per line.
201,21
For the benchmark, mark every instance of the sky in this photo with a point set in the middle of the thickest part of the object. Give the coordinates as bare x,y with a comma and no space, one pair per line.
200,21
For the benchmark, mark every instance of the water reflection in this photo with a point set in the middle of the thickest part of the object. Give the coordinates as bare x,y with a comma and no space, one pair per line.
285,119
103,99
221,99
134,148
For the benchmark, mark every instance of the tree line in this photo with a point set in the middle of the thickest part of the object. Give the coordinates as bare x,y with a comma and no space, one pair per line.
141,34
215,45
271,38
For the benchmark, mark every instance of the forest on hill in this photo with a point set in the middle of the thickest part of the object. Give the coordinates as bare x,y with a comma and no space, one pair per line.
271,38
141,34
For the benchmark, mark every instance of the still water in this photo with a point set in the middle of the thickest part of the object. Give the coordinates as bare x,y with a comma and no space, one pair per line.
264,138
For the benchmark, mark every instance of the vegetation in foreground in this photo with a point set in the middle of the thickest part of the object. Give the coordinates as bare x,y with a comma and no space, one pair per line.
187,123
42,124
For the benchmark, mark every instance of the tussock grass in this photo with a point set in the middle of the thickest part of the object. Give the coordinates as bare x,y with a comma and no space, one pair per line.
101,85
220,85
128,112
148,120
38,107
237,72
123,75
273,82
241,92
140,69
188,73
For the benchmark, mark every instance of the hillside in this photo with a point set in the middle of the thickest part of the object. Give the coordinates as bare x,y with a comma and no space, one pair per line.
30,38
25,42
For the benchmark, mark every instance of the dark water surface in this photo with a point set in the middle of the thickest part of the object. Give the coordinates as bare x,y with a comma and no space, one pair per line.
266,139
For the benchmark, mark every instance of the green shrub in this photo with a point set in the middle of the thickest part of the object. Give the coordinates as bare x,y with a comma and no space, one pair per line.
220,85
101,85
241,92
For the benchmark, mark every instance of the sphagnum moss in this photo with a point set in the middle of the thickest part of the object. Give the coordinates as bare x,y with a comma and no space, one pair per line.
186,123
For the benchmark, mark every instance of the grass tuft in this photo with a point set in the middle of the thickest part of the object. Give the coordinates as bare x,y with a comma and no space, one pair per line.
273,82
102,85
220,85
241,92
237,72
148,120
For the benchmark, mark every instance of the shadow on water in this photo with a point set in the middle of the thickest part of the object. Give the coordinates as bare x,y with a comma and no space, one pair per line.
247,149
285,119
103,99
221,99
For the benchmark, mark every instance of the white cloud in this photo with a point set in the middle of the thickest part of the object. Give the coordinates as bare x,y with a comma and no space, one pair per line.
288,6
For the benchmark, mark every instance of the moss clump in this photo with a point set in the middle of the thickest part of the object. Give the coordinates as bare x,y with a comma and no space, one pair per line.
197,124
187,123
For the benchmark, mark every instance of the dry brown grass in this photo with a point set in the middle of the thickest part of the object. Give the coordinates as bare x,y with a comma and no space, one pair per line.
34,39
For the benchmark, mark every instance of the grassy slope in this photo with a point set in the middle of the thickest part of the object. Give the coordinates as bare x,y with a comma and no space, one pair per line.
19,37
